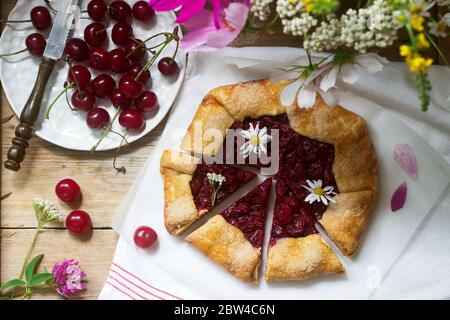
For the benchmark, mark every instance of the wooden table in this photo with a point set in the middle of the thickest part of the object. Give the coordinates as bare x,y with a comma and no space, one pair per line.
102,188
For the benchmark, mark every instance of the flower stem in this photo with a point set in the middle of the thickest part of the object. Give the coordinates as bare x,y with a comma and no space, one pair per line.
47,113
437,48
30,250
15,21
107,130
12,53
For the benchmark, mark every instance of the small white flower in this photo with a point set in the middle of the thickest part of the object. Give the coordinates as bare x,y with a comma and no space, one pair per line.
319,194
256,140
348,72
438,28
214,177
45,211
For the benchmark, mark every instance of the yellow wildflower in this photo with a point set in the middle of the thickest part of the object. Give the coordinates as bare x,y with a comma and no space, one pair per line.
417,22
405,50
422,42
308,5
418,63
415,9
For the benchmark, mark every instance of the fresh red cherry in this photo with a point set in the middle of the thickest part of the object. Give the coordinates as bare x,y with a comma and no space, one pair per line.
147,101
119,10
36,44
98,58
78,222
121,33
103,85
97,9
142,11
118,99
68,190
145,237
83,101
135,50
81,74
77,49
95,34
118,62
145,76
130,87
41,18
131,119
168,66
97,118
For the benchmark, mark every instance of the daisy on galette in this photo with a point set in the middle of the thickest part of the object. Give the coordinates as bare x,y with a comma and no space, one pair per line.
319,194
256,140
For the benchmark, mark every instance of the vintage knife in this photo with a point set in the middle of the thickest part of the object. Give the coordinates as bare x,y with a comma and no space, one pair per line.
53,51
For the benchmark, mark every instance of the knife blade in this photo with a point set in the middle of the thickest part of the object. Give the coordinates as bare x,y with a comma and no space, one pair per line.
60,30
30,112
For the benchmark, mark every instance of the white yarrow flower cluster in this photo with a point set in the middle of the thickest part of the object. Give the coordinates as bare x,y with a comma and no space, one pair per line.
374,26
215,178
261,8
326,36
45,211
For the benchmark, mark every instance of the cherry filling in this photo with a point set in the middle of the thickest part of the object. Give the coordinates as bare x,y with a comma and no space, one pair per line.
300,159
202,190
249,213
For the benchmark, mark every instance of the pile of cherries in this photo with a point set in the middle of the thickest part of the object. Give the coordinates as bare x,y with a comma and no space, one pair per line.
79,222
130,95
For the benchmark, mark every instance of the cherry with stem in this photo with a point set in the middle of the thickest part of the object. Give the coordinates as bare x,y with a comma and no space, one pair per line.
107,129
169,38
67,86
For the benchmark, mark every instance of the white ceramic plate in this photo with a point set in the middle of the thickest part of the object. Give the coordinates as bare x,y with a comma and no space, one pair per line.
67,128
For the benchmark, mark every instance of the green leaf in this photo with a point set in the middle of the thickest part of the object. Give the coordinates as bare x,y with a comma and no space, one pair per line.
32,266
12,283
40,278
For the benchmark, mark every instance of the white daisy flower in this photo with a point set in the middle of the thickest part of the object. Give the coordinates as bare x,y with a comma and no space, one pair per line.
319,194
438,28
348,72
256,140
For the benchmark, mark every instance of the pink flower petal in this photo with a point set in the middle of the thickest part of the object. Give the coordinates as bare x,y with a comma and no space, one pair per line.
201,20
236,15
399,197
406,158
190,8
165,5
216,9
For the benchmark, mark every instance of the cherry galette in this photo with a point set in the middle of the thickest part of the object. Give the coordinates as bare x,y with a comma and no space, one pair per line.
327,176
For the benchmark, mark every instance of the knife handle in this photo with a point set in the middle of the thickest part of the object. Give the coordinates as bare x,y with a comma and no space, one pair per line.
30,113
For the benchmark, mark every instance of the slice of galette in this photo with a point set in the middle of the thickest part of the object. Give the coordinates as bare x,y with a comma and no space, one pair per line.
193,188
234,238
297,251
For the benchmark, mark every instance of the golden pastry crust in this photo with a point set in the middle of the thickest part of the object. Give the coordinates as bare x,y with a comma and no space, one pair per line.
301,258
179,208
179,161
355,168
355,164
251,99
345,221
207,130
227,246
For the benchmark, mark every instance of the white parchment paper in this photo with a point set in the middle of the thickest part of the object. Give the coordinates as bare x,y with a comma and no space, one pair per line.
387,233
